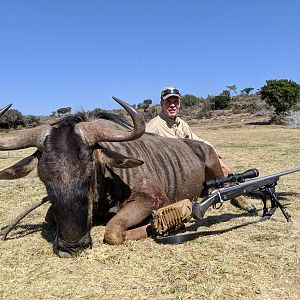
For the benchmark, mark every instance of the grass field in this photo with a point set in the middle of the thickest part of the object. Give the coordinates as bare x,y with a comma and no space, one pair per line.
255,261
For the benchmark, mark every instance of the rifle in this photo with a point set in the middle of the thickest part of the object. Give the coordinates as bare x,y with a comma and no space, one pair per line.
172,217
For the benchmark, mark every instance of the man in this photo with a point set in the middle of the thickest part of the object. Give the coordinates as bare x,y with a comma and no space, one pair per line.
168,124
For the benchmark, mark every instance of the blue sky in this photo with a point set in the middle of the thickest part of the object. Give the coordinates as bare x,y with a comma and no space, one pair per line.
58,53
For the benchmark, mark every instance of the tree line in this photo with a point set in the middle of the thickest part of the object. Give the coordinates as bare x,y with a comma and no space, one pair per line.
282,95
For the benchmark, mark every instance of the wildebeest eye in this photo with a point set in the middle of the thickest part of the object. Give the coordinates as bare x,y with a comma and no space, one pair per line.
119,162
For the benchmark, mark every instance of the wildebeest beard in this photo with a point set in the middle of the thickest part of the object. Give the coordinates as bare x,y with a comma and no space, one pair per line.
71,209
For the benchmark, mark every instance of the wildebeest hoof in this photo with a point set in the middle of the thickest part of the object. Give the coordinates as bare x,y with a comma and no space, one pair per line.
113,239
251,208
243,203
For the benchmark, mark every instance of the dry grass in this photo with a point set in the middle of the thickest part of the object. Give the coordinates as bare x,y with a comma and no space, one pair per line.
256,261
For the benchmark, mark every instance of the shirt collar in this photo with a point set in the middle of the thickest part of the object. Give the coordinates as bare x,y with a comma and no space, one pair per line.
170,122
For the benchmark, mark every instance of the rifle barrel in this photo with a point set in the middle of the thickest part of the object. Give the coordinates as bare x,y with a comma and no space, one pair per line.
253,184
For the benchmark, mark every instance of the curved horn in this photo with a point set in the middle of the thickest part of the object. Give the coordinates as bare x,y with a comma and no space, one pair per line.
4,109
21,168
26,138
93,132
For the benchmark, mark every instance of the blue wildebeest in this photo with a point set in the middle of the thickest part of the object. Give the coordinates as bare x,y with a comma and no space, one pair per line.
96,167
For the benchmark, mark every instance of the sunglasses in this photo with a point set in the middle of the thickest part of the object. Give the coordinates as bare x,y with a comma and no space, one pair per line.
170,91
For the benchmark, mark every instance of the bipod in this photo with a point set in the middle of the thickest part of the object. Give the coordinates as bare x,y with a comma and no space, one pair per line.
269,191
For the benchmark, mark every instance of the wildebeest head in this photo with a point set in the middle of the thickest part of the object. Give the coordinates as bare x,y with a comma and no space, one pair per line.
66,165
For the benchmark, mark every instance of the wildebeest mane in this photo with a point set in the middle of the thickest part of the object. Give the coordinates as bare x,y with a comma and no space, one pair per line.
114,118
74,119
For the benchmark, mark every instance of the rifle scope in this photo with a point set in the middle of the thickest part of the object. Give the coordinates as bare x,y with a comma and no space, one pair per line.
231,178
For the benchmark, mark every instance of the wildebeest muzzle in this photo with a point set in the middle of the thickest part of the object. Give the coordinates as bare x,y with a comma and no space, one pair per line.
66,249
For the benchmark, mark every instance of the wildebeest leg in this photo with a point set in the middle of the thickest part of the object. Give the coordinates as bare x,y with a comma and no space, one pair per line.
240,201
213,171
9,228
138,233
211,155
243,203
131,214
216,168
224,166
213,168
142,201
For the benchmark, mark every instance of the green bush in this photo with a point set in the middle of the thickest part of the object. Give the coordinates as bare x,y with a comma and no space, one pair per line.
190,100
281,94
220,102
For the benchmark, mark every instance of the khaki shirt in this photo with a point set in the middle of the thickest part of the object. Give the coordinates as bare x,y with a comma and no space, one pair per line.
173,128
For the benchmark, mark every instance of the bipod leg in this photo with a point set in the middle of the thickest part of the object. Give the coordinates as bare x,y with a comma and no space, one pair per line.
275,202
264,200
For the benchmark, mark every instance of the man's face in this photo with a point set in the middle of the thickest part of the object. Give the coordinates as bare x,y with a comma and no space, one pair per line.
170,106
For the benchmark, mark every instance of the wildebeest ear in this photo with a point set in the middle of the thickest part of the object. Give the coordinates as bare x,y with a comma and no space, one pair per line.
117,160
21,168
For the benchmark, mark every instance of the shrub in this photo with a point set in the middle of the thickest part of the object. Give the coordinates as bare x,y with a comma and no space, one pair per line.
281,94
190,100
220,102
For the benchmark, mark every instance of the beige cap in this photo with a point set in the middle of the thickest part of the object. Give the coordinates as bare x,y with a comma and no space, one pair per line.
169,92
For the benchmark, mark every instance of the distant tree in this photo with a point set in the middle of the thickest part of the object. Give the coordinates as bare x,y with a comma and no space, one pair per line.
12,119
282,94
145,105
151,112
64,110
247,91
53,114
31,120
232,88
220,102
225,93
190,100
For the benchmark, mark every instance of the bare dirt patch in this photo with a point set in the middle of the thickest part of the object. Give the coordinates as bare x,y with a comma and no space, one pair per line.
255,261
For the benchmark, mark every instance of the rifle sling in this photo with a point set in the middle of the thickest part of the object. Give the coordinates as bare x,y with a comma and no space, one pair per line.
178,238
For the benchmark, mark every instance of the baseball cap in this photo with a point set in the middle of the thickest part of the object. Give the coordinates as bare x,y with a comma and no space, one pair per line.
169,92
